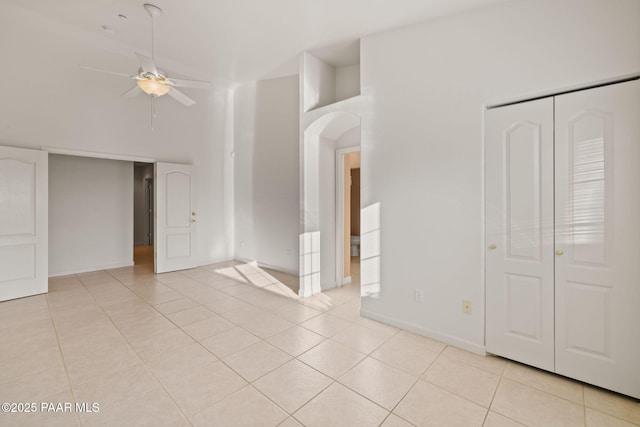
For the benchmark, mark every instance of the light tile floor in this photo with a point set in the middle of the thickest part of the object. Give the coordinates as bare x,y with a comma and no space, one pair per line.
231,345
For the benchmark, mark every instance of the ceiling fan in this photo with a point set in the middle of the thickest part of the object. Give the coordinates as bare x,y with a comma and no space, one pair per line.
150,79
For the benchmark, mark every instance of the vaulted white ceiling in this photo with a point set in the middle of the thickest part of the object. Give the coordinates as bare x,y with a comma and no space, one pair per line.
234,41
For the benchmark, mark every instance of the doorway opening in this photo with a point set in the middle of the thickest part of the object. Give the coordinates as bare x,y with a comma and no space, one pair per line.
143,215
354,222
322,248
348,216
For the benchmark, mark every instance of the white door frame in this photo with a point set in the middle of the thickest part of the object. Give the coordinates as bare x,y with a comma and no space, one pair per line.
105,156
340,220
149,206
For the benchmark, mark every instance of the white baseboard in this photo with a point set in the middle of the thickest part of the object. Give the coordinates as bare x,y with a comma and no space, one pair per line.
328,286
346,280
215,260
429,333
90,269
302,294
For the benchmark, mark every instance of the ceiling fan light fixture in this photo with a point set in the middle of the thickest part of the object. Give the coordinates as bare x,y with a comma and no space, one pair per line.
153,87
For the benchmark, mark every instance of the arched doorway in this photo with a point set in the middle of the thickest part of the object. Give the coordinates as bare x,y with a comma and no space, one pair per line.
319,254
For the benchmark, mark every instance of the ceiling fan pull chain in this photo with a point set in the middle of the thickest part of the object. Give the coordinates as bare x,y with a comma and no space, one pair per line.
153,110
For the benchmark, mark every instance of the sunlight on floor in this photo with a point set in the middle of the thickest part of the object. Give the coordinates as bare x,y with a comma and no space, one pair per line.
251,274
286,285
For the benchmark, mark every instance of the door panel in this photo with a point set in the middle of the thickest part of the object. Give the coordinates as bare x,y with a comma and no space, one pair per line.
524,307
175,243
588,315
18,210
598,231
23,223
519,258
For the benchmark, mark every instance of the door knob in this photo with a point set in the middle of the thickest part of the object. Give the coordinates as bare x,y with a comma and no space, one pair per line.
193,220
559,252
492,247
193,214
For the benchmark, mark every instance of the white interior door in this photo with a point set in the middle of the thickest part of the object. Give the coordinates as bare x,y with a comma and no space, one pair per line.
175,224
23,223
519,231
598,236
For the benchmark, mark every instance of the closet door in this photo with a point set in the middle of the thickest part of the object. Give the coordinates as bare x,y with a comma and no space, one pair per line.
597,182
519,221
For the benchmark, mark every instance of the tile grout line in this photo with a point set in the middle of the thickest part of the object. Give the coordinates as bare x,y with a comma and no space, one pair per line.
493,396
64,362
333,381
220,360
530,387
142,361
149,370
584,407
419,378
535,389
264,340
248,383
251,383
273,311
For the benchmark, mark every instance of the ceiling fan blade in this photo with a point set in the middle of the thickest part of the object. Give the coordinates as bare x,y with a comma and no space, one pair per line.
180,97
132,92
147,64
115,73
198,84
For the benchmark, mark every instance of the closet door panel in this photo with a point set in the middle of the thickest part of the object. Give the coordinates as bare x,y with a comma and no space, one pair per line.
519,258
597,185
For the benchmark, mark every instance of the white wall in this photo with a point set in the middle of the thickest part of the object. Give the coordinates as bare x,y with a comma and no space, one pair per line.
324,84
84,111
267,181
347,81
90,214
327,200
349,139
427,85
319,82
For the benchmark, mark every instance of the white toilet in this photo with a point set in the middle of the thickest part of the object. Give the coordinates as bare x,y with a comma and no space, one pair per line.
355,245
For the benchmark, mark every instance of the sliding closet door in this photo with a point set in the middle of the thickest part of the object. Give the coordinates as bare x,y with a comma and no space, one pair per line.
597,176
519,211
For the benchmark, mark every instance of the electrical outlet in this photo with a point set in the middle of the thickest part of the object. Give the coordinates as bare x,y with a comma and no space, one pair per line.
418,295
467,308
